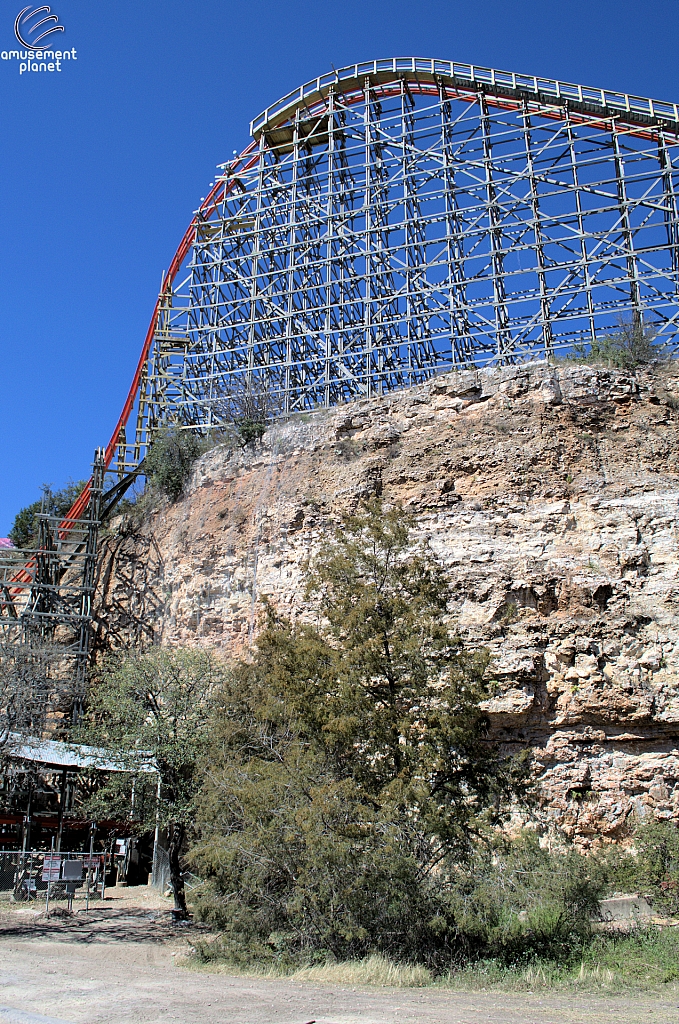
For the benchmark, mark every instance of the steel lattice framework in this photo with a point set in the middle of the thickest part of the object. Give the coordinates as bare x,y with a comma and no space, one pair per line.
46,593
402,217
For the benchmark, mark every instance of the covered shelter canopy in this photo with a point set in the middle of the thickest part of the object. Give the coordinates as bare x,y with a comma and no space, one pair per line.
74,757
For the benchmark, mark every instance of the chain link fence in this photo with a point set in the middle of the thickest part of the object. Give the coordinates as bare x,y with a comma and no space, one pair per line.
54,877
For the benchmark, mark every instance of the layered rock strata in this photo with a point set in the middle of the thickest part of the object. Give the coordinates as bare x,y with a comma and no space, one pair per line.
551,495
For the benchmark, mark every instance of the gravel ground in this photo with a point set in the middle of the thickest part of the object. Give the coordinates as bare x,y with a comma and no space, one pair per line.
119,964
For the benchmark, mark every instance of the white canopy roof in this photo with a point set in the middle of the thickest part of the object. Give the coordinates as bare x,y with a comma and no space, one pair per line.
78,756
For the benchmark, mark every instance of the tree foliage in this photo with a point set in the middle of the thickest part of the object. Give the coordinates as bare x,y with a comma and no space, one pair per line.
350,769
24,532
159,702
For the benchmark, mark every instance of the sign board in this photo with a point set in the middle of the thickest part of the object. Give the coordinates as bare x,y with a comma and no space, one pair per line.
72,871
51,869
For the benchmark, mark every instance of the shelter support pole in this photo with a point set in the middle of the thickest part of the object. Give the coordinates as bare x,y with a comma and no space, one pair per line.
156,834
62,803
49,879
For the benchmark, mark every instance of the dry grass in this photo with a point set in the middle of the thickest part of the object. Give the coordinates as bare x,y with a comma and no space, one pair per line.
533,978
374,970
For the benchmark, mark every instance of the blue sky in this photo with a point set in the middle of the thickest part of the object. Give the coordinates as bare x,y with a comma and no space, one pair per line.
102,165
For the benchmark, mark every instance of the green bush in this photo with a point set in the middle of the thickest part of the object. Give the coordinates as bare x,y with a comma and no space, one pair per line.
362,894
657,845
250,430
632,345
518,902
651,869
170,459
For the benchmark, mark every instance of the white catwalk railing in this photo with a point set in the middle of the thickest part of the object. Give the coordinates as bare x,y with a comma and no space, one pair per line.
474,75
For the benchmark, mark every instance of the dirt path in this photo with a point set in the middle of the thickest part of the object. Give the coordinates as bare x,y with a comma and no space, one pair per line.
118,967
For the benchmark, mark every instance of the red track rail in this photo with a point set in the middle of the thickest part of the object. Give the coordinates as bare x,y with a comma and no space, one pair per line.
243,163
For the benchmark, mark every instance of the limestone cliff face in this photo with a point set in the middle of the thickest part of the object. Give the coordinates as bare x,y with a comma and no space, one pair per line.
551,494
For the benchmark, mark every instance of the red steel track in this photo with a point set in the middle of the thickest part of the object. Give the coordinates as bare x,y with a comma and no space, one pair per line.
243,163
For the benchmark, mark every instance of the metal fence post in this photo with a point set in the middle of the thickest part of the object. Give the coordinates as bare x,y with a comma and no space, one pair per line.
49,881
89,866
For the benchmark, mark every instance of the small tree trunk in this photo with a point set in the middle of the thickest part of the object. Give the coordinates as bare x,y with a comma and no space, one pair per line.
176,834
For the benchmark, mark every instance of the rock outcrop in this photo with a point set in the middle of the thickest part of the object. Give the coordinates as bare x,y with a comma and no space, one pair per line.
551,494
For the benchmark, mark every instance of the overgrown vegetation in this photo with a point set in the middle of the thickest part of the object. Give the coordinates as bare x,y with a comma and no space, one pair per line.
626,348
250,430
170,459
641,959
251,411
24,532
525,918
174,450
653,869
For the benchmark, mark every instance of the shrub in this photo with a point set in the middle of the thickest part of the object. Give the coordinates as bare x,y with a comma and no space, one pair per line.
170,459
657,846
632,345
250,430
516,902
652,869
